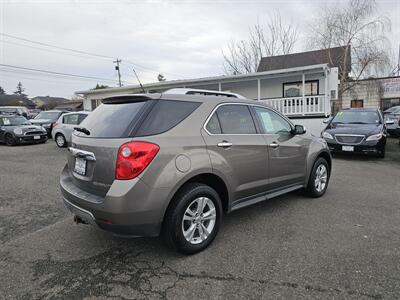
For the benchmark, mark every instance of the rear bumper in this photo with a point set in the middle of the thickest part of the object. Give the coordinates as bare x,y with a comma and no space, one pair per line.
119,212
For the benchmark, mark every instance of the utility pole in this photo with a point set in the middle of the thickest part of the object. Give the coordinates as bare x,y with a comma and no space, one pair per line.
117,68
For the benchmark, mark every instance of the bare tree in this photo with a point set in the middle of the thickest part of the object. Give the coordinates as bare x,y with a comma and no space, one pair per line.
275,38
357,28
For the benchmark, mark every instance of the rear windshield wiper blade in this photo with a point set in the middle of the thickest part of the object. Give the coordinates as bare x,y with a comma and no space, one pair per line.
82,129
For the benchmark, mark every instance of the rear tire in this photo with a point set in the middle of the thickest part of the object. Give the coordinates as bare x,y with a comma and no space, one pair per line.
60,140
10,140
319,178
193,219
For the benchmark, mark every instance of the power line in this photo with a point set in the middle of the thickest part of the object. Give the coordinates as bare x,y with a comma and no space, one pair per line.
57,47
58,73
83,52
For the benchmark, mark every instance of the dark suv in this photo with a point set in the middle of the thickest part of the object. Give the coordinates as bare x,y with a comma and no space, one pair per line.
140,165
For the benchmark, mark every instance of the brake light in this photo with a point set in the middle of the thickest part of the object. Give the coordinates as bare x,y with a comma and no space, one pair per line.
133,158
54,124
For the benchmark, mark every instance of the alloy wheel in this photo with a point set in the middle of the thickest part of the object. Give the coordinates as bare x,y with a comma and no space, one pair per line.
199,220
321,178
60,140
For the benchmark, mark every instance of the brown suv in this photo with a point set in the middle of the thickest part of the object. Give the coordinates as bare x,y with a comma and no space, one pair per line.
141,165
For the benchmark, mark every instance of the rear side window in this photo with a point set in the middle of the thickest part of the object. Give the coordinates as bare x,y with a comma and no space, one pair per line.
213,125
236,119
165,115
111,120
71,119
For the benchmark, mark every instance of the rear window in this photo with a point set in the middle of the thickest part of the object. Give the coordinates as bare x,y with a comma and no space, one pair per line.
111,120
165,115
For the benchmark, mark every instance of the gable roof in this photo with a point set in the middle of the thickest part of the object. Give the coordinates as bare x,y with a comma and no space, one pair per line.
331,56
48,99
16,100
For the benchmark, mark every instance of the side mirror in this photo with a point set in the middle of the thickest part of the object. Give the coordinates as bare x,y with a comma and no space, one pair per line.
326,121
299,129
389,122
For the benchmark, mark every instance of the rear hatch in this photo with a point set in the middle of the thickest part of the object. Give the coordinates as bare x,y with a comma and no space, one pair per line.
93,152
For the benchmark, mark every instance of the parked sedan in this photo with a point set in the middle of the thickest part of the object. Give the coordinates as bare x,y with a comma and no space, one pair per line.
357,130
47,119
18,130
393,114
63,128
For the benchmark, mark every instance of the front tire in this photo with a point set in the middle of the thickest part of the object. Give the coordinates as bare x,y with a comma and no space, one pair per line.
10,140
193,219
319,178
60,140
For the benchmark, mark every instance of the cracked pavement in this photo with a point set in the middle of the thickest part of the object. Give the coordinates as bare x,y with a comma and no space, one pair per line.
345,245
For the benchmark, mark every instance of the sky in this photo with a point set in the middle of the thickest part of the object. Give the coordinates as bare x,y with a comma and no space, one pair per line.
179,39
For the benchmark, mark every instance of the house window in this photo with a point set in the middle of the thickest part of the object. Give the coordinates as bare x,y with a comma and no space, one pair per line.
357,103
294,89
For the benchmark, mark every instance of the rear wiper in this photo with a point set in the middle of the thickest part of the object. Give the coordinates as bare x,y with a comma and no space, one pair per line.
83,130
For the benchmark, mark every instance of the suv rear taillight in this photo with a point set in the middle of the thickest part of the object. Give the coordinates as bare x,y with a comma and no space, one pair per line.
133,158
54,124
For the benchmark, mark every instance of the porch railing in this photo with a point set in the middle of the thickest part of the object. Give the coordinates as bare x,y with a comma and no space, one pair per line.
301,106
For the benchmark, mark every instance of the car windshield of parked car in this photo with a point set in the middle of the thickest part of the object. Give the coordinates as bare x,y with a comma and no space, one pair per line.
356,117
394,109
47,115
14,121
8,110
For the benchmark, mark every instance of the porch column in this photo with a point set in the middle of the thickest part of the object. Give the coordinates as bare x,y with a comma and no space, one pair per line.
327,102
219,86
258,90
303,92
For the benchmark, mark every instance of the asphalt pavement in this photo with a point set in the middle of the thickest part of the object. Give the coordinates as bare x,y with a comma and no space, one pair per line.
345,245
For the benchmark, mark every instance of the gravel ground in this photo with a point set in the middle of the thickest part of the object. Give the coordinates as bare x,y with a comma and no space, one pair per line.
345,245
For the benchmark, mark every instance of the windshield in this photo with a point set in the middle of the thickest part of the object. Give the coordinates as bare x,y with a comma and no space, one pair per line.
356,117
47,115
14,121
8,109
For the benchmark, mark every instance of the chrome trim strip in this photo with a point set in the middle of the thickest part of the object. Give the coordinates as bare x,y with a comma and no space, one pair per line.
82,153
80,209
246,104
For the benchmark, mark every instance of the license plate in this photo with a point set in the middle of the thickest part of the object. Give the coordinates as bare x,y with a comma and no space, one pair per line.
348,148
80,166
36,137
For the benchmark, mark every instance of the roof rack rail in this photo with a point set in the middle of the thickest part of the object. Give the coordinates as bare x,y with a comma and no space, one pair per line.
190,91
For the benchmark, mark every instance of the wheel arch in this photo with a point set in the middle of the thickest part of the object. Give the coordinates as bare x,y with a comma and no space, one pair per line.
210,179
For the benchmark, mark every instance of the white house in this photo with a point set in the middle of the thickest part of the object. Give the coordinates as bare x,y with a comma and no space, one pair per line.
304,94
300,85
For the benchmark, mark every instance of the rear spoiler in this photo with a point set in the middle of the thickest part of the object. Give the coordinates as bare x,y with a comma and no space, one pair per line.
131,98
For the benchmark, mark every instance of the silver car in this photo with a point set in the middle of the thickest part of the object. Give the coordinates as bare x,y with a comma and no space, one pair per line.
63,128
141,165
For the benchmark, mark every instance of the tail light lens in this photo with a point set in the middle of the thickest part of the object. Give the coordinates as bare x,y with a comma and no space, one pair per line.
133,158
54,124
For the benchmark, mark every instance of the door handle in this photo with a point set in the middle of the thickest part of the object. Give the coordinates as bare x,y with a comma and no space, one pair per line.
224,144
274,145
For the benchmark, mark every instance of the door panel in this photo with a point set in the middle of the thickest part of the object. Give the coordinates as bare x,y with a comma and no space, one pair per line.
236,150
286,152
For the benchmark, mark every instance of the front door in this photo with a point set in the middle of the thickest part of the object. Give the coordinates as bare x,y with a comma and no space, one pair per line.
287,153
236,150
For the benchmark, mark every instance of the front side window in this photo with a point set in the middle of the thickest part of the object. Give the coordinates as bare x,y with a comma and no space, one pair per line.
235,119
271,122
71,119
